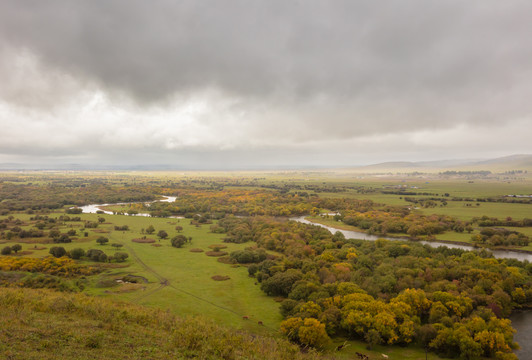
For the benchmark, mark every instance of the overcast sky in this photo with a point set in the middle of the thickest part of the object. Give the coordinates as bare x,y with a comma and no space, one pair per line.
261,84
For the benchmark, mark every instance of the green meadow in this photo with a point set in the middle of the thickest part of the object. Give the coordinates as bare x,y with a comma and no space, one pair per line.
177,279
180,281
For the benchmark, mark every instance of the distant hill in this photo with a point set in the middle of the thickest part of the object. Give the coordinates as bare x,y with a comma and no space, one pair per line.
515,161
507,163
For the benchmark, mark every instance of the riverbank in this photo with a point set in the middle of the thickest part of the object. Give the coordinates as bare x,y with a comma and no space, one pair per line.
329,222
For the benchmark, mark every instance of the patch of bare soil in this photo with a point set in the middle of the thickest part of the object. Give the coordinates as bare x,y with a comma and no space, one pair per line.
144,241
220,277
196,250
215,253
22,253
219,246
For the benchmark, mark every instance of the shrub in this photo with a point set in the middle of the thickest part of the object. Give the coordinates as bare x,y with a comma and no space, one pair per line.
77,253
95,254
62,239
120,256
58,251
178,241
102,240
74,211
150,229
248,256
6,250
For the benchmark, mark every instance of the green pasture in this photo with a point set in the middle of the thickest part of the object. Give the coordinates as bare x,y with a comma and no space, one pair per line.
190,289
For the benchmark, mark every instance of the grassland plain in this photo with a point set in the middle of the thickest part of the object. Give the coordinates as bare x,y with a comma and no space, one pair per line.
180,281
186,276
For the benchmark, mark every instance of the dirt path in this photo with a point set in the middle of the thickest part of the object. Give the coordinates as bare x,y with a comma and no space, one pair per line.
162,281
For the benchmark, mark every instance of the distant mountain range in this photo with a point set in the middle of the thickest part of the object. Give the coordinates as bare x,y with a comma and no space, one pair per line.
506,163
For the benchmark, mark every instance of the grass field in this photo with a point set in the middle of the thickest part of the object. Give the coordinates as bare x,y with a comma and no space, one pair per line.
180,280
186,276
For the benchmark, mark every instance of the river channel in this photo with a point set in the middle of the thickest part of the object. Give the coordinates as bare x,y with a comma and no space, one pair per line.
349,234
521,321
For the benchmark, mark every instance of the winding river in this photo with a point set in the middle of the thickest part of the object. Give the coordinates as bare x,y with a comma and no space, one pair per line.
349,234
521,321
94,208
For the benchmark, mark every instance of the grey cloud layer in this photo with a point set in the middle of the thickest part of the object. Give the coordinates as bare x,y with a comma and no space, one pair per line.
296,70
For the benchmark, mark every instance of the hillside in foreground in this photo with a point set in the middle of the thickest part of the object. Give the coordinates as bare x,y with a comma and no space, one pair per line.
43,324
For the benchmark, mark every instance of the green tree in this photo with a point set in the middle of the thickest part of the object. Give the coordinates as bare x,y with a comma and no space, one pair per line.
281,283
178,241
102,240
16,248
120,256
94,254
58,251
150,230
162,234
6,250
77,253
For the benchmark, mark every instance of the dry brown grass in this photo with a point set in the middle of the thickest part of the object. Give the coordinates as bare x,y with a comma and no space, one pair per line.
22,253
220,277
215,253
144,241
219,246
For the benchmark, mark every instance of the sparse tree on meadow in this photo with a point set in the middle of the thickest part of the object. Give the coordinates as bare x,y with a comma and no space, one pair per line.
58,251
178,241
102,240
150,230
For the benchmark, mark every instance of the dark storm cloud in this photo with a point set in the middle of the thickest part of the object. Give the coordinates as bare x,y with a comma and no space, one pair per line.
295,72
154,48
